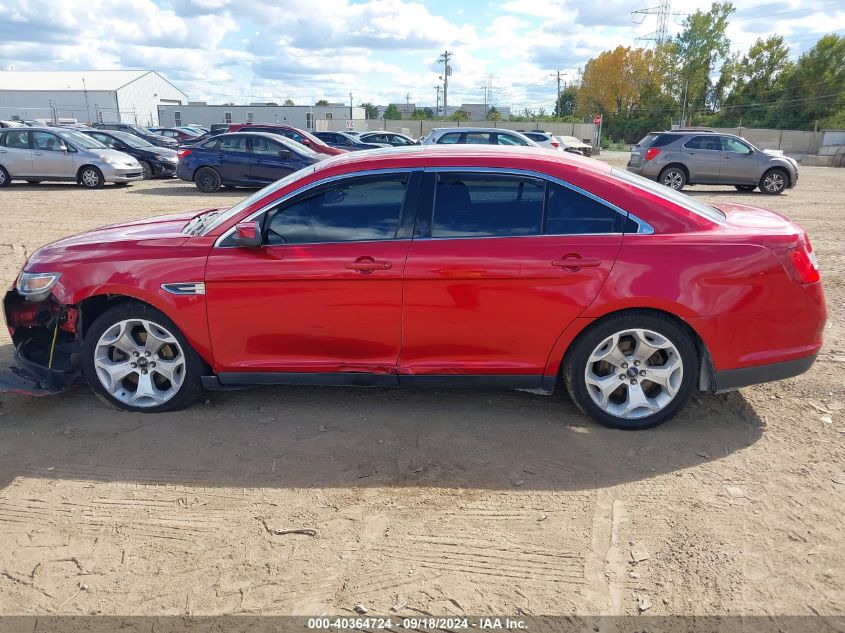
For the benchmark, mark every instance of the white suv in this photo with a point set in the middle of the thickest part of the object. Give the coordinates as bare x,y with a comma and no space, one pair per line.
476,136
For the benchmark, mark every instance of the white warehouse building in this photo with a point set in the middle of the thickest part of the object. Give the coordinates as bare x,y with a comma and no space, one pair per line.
334,116
86,96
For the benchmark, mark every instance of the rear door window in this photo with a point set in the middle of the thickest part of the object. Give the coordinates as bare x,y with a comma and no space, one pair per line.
233,144
709,143
449,139
486,205
477,138
16,140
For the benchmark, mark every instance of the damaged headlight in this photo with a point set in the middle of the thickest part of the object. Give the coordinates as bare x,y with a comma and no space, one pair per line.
35,286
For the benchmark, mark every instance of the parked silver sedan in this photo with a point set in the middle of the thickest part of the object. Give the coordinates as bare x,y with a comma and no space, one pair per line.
35,154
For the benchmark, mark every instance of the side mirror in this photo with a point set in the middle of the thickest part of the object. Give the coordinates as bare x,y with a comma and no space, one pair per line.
62,148
284,153
248,234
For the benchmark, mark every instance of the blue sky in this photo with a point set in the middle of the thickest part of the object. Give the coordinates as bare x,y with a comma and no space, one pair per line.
380,50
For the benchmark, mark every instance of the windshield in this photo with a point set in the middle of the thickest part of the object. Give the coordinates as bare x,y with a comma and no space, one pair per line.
681,199
224,216
131,140
82,140
569,139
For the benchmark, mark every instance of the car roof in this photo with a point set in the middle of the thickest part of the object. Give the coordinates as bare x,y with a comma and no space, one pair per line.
446,155
474,129
689,130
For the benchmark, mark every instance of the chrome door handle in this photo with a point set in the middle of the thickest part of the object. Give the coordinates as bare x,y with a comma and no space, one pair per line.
39,153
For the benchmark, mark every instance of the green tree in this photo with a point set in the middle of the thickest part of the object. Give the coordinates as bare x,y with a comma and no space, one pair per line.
493,114
757,78
322,102
289,102
697,52
370,111
459,115
421,114
392,112
814,87
566,104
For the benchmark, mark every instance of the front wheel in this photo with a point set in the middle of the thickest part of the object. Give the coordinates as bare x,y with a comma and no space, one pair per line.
774,182
673,177
137,359
207,180
91,177
632,371
4,177
147,170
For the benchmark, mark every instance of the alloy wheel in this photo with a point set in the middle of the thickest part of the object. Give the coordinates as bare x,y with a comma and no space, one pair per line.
2,177
139,363
634,373
774,182
673,179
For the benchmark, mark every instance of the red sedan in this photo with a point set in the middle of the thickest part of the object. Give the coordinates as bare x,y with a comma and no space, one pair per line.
300,136
461,266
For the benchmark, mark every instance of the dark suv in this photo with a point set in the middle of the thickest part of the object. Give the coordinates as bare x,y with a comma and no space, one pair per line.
140,132
699,157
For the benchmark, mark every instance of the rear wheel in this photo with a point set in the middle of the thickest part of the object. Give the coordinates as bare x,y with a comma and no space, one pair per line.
673,177
4,177
774,181
207,180
745,187
632,371
91,177
137,359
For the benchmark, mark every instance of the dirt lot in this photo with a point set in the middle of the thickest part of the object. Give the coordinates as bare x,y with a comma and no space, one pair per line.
447,502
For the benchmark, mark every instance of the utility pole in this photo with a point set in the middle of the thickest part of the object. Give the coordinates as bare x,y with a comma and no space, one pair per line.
437,107
408,104
447,70
684,107
350,106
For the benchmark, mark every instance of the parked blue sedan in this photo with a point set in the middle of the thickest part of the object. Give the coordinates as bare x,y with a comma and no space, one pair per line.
242,159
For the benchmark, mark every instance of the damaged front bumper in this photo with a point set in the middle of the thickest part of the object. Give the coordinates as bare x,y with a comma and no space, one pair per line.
47,346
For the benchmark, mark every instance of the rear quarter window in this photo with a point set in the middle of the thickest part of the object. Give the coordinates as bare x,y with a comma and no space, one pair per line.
657,140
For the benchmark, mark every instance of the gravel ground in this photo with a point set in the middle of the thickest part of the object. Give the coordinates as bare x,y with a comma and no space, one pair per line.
446,502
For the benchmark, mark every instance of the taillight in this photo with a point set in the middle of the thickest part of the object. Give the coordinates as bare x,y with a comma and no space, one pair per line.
651,153
555,144
182,153
804,262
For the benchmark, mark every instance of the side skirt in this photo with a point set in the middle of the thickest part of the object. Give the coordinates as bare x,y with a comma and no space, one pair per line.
239,380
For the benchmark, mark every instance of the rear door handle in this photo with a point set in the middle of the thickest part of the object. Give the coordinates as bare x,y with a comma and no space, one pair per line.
573,262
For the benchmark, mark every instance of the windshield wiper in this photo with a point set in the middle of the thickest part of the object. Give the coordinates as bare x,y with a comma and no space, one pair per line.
196,225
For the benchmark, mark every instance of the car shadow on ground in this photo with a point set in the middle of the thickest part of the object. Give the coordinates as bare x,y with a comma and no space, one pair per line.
183,188
304,437
726,192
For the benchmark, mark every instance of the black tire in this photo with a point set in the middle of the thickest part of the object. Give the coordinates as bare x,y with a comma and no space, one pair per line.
745,187
5,179
774,181
191,389
673,177
91,177
207,180
147,169
576,364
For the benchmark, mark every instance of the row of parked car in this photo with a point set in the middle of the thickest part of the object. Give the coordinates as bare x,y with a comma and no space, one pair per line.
249,155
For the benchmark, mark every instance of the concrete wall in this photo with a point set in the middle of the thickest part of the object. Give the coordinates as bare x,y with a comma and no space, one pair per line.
582,131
